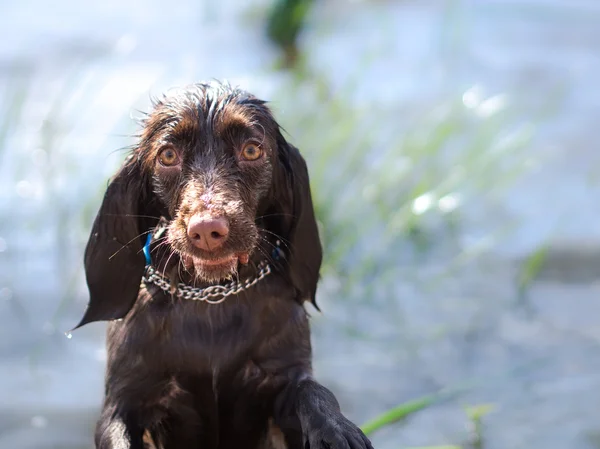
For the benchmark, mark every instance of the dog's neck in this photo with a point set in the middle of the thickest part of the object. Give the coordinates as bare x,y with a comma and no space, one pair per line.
167,263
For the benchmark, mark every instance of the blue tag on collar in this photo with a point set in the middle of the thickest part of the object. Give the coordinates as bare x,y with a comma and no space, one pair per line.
155,233
276,253
146,249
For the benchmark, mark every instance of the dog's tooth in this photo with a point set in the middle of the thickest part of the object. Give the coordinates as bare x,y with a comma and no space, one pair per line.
188,262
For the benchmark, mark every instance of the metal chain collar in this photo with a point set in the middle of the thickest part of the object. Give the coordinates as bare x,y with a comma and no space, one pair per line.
204,294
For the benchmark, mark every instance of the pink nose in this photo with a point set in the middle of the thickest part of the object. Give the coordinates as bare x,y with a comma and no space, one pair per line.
207,233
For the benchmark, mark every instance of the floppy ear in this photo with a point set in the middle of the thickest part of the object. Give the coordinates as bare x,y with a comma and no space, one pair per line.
303,243
114,262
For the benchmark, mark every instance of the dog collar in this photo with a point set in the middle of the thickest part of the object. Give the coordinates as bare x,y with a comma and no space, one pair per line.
213,294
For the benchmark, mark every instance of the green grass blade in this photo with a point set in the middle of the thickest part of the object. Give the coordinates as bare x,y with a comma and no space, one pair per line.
409,408
400,412
532,267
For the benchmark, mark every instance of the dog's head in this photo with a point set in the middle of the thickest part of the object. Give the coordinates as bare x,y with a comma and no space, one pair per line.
212,160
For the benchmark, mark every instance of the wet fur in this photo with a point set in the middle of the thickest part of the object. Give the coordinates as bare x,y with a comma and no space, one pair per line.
186,374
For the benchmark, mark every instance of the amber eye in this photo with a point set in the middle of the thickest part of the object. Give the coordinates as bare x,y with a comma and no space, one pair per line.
251,152
168,157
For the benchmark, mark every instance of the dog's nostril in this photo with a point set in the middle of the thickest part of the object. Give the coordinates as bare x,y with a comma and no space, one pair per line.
206,232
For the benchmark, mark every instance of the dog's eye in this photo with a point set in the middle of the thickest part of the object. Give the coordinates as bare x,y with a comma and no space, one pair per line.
251,152
168,157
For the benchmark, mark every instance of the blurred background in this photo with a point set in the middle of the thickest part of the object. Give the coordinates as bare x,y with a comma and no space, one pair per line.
454,159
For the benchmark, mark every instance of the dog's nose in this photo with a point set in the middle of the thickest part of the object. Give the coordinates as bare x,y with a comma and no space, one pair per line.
208,233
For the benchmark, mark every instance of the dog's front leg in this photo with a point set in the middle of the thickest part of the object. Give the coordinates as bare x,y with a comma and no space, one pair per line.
318,413
118,430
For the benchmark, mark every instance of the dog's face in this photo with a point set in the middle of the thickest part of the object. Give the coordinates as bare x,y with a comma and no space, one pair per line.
211,160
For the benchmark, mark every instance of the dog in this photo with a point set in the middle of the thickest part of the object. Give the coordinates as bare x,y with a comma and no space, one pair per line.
201,257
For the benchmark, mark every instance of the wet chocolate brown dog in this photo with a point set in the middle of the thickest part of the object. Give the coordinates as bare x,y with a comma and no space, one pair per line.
202,254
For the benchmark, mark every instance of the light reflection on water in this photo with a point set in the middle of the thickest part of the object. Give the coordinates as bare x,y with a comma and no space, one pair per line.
70,77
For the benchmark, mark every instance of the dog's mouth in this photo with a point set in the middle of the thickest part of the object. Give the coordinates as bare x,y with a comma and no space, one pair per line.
212,265
214,269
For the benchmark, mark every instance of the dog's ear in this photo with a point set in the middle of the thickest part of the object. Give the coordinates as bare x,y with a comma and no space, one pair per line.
114,261
301,235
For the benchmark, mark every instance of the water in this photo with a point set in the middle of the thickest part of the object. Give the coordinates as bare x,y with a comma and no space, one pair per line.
71,74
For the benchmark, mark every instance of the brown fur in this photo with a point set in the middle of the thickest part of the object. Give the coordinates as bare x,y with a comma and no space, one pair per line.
187,374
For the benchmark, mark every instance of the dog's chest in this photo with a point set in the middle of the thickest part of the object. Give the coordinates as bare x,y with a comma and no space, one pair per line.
200,337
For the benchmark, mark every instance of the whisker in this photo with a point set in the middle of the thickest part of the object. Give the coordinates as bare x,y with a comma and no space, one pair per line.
264,133
276,235
125,245
162,243
128,148
235,276
282,214
265,254
167,264
287,246
132,215
162,257
161,239
157,240
152,249
179,266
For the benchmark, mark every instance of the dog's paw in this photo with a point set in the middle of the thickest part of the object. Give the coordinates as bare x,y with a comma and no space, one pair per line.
334,432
